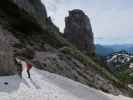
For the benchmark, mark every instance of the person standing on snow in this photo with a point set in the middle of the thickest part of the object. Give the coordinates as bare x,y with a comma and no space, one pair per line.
29,66
19,67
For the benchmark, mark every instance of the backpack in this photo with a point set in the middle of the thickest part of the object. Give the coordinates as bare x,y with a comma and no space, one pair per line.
29,66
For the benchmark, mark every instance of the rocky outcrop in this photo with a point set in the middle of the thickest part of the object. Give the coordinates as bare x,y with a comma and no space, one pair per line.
78,31
117,60
34,8
7,66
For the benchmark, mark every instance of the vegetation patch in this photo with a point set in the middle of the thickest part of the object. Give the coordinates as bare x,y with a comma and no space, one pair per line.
123,74
87,61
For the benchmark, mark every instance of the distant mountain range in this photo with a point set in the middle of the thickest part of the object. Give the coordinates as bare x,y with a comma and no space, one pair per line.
104,50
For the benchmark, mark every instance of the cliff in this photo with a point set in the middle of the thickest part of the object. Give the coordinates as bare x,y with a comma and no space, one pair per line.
78,31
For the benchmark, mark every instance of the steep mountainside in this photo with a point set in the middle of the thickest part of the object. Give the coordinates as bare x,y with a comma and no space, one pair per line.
126,47
22,21
27,32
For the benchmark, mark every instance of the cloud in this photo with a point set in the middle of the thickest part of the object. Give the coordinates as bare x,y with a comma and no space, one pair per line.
53,9
52,5
114,23
110,19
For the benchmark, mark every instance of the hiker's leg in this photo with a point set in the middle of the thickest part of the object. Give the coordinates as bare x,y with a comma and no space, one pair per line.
28,72
21,70
20,74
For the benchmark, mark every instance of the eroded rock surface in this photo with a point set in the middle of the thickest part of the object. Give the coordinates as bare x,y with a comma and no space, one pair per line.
78,31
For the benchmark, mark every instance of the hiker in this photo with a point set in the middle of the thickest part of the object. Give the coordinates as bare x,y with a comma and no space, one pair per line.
19,67
29,66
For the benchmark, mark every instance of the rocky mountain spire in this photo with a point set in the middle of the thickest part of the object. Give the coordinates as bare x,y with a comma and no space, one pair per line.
78,31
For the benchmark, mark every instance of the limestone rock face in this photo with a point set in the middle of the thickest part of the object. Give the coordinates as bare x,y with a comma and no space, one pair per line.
7,65
78,31
34,7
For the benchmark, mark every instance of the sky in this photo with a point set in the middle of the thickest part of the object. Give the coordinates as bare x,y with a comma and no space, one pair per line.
111,20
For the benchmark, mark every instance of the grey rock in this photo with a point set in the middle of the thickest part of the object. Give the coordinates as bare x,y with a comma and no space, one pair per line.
78,31
34,8
7,66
